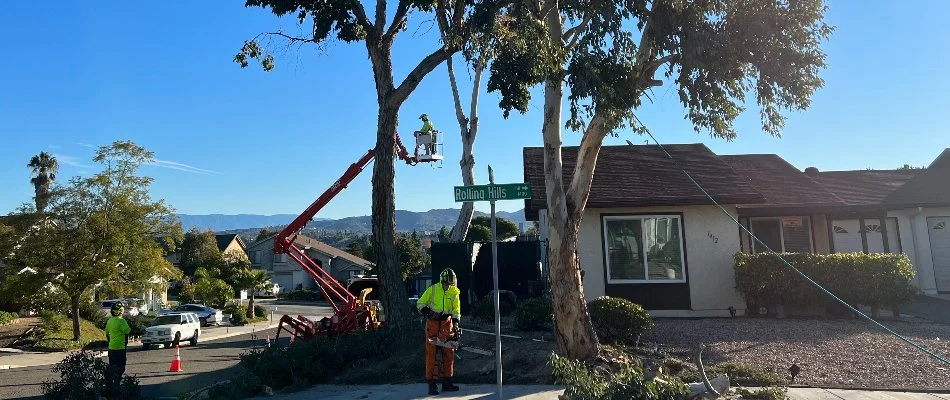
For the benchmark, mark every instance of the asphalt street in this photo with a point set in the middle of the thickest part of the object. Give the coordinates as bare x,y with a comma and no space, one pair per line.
203,365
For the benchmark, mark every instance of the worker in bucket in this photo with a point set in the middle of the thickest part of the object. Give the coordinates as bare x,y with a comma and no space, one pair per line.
117,334
428,129
440,305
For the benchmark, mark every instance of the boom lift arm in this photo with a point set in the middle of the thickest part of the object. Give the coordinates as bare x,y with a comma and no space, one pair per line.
349,312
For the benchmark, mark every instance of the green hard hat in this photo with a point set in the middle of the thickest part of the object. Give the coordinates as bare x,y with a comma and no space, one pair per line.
117,309
447,276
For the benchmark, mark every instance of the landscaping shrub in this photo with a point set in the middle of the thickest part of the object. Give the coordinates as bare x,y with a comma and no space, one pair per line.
739,374
301,295
484,309
52,322
7,317
92,312
47,300
769,393
83,376
138,324
874,280
242,386
625,381
533,314
238,313
618,320
260,311
321,359
186,293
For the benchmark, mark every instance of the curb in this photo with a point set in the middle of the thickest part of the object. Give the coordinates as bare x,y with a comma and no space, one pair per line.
101,354
873,388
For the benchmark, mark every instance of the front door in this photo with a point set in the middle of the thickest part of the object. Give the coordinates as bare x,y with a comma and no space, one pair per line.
940,250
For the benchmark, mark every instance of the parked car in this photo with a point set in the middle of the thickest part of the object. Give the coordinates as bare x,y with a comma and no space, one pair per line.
129,310
207,315
170,329
270,291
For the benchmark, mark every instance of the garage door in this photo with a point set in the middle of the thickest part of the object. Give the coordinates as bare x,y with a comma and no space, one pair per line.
940,249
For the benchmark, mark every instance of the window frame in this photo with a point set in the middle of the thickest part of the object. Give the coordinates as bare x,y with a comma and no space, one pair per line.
781,225
604,218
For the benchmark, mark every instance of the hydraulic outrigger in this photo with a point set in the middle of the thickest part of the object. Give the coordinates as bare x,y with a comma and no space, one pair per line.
350,313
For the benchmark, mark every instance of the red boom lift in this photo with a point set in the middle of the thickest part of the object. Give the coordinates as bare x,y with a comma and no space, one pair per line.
350,312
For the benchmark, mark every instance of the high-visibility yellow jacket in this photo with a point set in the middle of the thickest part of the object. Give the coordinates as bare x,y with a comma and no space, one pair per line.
444,301
427,127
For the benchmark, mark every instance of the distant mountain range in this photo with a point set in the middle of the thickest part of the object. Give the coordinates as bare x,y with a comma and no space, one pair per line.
406,221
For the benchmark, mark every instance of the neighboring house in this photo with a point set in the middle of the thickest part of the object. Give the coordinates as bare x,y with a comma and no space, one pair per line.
284,271
226,243
649,235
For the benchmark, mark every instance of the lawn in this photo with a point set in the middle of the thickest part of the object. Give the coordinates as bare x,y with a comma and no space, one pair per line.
61,339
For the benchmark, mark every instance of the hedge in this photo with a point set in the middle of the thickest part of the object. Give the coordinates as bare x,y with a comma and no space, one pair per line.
873,280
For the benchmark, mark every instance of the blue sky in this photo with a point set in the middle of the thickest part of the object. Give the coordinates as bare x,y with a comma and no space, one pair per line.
234,140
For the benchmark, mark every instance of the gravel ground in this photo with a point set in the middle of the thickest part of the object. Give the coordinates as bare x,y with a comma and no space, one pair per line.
830,352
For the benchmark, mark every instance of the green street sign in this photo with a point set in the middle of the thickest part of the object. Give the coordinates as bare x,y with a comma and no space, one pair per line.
508,191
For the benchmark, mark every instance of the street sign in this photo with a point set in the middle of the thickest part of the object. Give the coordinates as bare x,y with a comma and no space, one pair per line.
507,191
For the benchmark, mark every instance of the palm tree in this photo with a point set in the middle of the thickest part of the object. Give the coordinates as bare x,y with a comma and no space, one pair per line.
252,280
44,167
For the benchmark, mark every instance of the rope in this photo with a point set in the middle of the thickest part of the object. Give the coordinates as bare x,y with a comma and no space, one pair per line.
784,261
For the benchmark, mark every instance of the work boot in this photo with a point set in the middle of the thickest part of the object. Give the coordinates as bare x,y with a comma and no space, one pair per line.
447,385
433,388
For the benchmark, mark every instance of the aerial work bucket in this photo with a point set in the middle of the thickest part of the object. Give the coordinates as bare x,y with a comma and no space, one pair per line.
428,147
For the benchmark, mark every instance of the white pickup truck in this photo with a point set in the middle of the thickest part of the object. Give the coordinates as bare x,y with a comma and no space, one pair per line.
170,329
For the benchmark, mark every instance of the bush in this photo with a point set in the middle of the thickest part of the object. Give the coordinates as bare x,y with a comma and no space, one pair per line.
52,322
301,295
316,361
533,314
624,381
138,324
618,320
242,386
92,312
214,292
484,309
874,280
47,300
83,376
238,313
186,293
260,311
7,317
741,374
769,393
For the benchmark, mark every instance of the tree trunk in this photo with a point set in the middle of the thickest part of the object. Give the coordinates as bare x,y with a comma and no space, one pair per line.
573,331
393,293
74,303
468,128
250,306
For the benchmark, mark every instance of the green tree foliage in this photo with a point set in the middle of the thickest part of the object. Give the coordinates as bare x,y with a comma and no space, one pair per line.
199,249
347,21
412,257
233,264
263,234
715,54
480,231
355,248
102,229
211,289
43,169
252,280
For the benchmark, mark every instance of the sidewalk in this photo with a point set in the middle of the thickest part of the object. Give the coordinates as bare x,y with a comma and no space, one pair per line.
12,358
543,392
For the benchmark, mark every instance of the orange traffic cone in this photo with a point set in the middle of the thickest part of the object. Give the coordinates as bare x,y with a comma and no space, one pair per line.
176,363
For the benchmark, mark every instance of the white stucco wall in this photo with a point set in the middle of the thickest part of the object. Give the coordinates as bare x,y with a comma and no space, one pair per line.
711,240
915,242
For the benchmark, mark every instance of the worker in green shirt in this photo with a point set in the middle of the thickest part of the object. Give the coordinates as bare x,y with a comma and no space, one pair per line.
117,334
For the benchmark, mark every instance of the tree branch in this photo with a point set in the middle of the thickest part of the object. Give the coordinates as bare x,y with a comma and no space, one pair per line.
587,152
551,5
362,19
573,35
399,19
415,76
292,39
459,115
380,15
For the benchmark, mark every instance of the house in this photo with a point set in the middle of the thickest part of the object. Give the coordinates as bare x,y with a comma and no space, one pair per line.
285,272
649,235
226,243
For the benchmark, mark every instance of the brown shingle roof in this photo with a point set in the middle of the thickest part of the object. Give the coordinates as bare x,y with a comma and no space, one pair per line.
929,187
639,176
863,188
316,245
782,184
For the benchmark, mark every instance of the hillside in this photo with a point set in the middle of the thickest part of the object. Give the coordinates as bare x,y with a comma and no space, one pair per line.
406,221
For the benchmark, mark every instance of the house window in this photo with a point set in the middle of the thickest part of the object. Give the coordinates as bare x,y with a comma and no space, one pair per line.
781,234
641,249
878,238
256,256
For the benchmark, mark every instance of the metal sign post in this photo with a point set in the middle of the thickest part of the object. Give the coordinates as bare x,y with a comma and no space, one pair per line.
492,193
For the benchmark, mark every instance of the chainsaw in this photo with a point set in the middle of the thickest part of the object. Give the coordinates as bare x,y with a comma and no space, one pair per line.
456,345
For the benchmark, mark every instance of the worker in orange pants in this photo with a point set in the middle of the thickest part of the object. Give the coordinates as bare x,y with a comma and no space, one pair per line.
440,305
